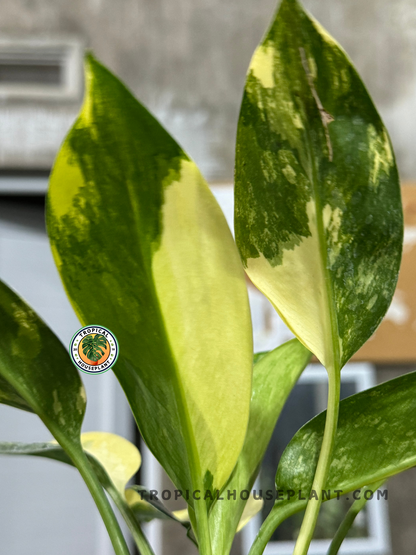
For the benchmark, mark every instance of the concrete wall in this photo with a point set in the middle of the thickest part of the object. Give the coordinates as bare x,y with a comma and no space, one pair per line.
186,60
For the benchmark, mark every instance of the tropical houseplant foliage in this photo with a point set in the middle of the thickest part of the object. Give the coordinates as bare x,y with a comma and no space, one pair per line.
318,229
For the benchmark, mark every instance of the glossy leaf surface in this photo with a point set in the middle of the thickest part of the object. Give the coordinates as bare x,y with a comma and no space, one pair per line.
9,396
143,248
38,368
318,216
36,371
274,376
376,438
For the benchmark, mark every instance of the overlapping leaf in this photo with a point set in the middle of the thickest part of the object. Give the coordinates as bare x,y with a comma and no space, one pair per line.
143,248
274,377
114,459
318,216
376,438
36,372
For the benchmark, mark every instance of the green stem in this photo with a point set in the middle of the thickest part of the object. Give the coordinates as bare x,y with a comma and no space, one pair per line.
322,469
140,539
348,521
204,538
277,515
100,498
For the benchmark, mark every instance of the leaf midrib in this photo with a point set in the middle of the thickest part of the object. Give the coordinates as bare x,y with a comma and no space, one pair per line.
184,416
334,363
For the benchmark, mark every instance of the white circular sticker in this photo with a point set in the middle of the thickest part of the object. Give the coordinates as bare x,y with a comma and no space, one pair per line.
94,349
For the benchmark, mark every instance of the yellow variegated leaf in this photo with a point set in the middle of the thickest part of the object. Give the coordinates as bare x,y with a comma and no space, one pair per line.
318,211
114,461
119,457
182,515
144,249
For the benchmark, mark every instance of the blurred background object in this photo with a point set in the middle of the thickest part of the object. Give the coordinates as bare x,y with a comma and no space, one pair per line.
186,61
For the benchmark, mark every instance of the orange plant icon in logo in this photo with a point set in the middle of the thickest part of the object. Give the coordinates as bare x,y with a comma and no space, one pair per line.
94,349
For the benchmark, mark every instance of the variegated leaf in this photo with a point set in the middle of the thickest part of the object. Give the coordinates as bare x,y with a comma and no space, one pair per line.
318,210
376,439
114,459
36,374
143,248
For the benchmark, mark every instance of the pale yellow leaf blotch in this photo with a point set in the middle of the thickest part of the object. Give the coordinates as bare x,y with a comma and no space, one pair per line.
262,65
253,506
182,515
71,180
200,284
380,154
301,290
119,458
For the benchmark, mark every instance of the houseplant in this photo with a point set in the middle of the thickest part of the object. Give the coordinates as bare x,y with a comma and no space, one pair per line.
143,249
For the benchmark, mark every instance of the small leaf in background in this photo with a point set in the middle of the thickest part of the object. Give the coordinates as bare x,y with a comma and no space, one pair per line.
170,273
318,217
115,459
274,376
119,458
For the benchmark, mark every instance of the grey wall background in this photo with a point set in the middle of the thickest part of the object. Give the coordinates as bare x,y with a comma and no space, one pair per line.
186,60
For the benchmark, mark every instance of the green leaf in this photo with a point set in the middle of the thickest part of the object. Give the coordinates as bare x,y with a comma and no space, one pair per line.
274,376
9,396
146,507
170,273
376,439
318,216
350,517
38,368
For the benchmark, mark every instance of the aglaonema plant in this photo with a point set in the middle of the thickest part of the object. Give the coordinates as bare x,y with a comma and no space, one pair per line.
318,229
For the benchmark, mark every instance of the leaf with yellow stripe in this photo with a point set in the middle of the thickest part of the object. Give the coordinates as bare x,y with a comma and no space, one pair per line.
143,248
318,210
